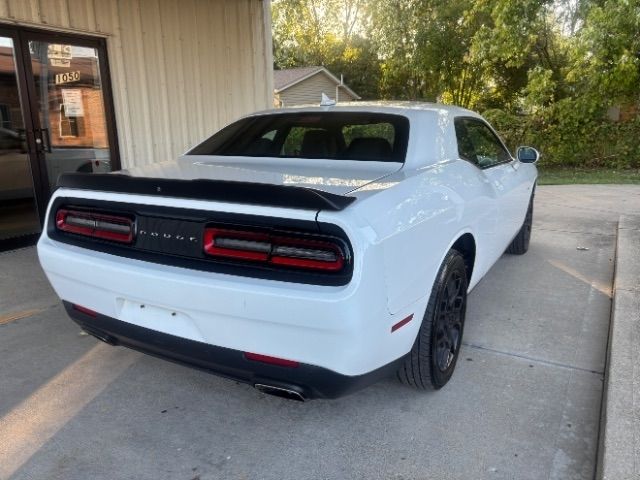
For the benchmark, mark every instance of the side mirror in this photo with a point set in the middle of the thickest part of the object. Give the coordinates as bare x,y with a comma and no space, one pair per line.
528,154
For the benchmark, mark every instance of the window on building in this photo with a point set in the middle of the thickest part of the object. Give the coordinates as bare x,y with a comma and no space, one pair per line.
68,125
5,116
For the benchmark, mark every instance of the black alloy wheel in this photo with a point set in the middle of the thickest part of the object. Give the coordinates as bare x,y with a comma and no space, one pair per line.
449,320
433,357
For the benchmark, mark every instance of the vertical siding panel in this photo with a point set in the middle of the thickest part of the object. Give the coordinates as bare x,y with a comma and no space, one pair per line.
4,9
246,35
94,15
219,68
55,12
173,66
205,94
81,15
238,60
108,18
152,83
267,55
25,10
190,70
228,60
156,84
252,33
203,90
46,12
258,58
34,7
243,38
134,65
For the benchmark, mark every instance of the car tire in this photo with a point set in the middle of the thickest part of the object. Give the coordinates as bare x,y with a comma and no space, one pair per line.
433,357
520,244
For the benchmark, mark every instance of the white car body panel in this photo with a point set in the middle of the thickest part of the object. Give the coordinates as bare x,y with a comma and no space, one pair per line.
403,222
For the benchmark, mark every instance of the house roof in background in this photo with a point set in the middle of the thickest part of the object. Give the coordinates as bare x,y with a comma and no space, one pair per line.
283,79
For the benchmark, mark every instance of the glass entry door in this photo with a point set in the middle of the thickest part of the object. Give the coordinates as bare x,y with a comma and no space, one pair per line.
18,211
56,116
69,99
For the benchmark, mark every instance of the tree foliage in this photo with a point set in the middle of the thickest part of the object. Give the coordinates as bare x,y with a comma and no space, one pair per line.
544,71
328,33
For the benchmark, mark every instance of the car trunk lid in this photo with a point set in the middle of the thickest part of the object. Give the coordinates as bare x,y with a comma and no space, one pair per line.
339,177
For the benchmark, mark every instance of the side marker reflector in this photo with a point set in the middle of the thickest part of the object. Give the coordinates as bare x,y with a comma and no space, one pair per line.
281,362
85,310
401,323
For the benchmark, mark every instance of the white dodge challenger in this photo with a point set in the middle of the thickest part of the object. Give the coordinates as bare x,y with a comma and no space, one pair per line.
307,251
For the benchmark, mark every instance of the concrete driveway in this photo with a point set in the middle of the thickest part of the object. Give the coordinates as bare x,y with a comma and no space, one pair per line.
524,402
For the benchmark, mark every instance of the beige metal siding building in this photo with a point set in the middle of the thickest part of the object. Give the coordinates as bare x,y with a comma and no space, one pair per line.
179,69
96,85
300,86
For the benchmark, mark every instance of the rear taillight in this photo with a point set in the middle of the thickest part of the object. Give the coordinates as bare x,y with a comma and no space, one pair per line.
98,225
309,252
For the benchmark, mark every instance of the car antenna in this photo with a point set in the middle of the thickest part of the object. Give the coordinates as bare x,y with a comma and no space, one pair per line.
326,101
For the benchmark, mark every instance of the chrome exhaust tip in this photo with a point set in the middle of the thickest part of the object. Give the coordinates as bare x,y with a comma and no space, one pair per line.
108,339
281,392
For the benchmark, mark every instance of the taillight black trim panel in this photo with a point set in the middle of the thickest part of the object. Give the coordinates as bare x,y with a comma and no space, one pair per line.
201,189
97,224
199,219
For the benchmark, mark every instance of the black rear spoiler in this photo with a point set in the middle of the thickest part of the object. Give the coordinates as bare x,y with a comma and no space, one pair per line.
199,189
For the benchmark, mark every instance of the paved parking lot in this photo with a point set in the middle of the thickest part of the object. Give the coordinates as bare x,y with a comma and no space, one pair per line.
524,402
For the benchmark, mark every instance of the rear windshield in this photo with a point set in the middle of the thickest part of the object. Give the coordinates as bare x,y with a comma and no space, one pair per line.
329,135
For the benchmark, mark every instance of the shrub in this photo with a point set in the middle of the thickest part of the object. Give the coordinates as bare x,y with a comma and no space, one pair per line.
572,134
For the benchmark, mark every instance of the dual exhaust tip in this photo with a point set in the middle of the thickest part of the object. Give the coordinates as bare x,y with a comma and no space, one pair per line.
282,392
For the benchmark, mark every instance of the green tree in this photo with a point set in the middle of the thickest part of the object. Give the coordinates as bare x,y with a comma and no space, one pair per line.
327,33
425,50
545,71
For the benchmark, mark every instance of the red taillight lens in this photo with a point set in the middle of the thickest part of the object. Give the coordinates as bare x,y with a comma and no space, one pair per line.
307,253
97,225
281,362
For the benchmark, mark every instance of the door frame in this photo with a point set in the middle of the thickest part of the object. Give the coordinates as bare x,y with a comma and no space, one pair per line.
29,99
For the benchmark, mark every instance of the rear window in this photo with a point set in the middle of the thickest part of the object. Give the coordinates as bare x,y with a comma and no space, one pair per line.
328,135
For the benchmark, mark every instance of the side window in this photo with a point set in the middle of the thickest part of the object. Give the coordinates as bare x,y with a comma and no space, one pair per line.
478,144
270,135
465,147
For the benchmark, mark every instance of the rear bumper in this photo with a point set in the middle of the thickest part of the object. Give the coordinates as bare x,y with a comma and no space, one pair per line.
346,329
308,380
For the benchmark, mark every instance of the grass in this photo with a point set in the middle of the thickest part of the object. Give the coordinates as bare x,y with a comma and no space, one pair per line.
567,176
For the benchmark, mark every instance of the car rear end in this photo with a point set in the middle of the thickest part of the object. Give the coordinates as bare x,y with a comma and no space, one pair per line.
264,295
218,260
